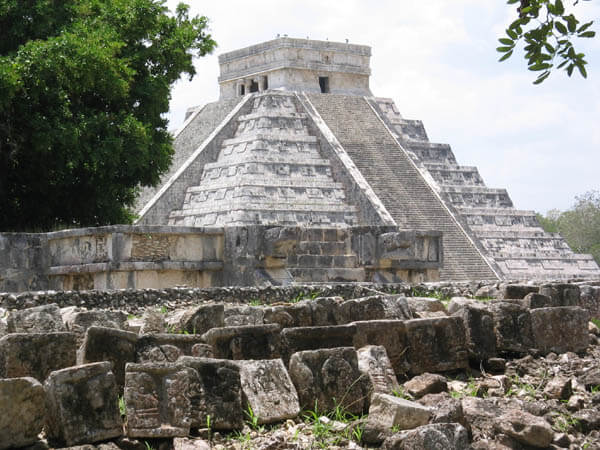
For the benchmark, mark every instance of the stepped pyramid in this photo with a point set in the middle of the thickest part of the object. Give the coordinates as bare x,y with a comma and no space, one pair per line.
297,138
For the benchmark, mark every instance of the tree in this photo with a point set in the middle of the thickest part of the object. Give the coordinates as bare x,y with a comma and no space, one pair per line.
580,225
547,31
85,85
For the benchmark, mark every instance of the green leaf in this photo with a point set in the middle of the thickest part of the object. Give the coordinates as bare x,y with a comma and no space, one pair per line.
582,70
561,28
587,34
539,66
506,41
506,56
584,27
549,48
542,77
503,49
513,35
560,9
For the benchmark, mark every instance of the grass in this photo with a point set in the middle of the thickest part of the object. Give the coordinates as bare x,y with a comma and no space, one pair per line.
595,322
122,406
253,419
565,423
324,432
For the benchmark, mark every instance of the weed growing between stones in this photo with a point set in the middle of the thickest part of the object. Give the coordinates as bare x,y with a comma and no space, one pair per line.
565,423
334,427
253,419
122,407
595,322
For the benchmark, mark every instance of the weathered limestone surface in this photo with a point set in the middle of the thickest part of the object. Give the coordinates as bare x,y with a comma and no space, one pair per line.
78,320
39,319
23,411
215,390
374,363
198,320
447,436
83,404
479,328
268,390
390,334
526,428
167,347
387,411
245,342
427,383
379,307
36,355
330,377
312,338
109,344
436,345
157,397
512,325
560,330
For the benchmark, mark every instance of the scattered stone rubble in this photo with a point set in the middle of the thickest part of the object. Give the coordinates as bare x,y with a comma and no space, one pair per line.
516,368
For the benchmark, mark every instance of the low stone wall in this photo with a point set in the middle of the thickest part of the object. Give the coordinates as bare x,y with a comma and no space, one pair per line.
182,369
135,257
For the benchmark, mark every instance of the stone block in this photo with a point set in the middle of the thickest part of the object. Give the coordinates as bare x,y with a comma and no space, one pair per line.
590,299
516,291
312,338
165,347
324,311
153,322
479,328
422,307
39,319
447,436
562,294
436,345
83,405
390,334
23,411
268,390
235,316
109,344
296,315
536,300
427,383
560,330
387,411
245,342
36,355
376,307
374,363
525,428
157,399
78,320
215,391
197,320
512,326
444,408
329,377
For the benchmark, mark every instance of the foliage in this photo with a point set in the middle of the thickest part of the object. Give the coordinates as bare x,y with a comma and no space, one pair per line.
547,30
580,225
84,86
323,431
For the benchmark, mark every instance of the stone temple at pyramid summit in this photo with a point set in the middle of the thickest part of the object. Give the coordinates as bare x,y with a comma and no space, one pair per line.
299,174
298,139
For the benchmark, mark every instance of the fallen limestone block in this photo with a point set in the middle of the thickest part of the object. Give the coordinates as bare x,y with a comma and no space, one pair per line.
562,294
157,400
245,342
295,315
79,320
436,345
560,330
83,405
427,383
153,322
190,444
525,428
215,391
558,388
268,390
535,300
39,319
444,409
424,307
516,291
235,316
376,307
387,412
512,326
324,311
36,355
311,338
590,300
197,320
165,347
23,411
374,363
108,344
479,329
328,378
447,436
390,334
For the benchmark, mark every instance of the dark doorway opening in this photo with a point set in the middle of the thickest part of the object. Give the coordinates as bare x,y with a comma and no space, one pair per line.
324,84
242,89
254,86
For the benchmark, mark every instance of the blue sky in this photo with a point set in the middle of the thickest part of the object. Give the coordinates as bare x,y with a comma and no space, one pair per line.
437,60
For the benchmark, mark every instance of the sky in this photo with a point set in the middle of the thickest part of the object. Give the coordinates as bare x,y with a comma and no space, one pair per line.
437,60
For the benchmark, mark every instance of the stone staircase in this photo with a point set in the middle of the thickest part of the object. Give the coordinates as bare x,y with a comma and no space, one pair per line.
396,181
512,238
